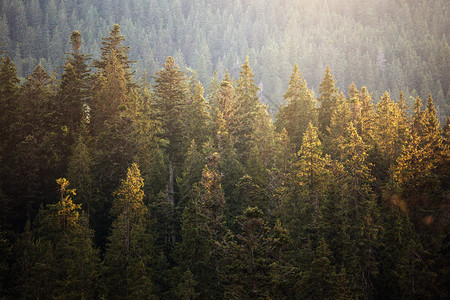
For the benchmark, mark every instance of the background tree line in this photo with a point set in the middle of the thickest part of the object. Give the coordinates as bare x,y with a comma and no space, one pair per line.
119,186
384,45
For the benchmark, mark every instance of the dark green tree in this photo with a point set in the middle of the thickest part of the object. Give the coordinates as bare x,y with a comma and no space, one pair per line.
247,106
321,280
170,98
255,258
73,90
127,271
66,265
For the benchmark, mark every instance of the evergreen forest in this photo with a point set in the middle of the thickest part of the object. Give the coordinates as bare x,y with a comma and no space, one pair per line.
385,45
128,172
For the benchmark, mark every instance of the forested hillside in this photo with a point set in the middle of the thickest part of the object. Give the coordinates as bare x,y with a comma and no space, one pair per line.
385,45
117,186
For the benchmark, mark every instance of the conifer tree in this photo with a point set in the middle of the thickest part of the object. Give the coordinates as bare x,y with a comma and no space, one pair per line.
418,118
327,100
35,155
80,168
223,102
299,110
303,195
113,124
311,169
73,90
197,251
186,288
170,92
203,230
247,193
67,264
113,46
255,257
248,105
8,101
363,214
8,93
197,116
405,264
262,145
365,121
389,137
192,170
321,280
340,119
421,160
127,260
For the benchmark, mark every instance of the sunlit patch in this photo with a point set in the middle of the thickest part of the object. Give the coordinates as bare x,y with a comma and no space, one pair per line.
428,220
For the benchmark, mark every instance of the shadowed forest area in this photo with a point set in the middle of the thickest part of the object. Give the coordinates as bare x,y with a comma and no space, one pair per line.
122,178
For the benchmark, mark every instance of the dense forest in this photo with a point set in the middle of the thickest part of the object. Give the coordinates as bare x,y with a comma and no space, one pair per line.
115,187
386,45
124,178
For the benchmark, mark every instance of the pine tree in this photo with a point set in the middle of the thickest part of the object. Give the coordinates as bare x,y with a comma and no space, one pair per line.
67,265
113,124
262,146
311,169
405,264
340,119
196,253
8,101
35,156
8,93
255,257
80,168
170,92
247,193
186,288
327,101
303,195
197,116
248,105
321,281
73,90
203,230
365,121
299,110
127,259
224,102
192,170
113,46
389,137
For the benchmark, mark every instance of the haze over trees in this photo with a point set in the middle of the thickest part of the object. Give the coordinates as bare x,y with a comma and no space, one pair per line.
179,184
385,45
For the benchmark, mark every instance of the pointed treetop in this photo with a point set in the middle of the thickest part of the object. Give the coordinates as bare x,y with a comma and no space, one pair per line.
353,93
169,64
227,76
246,72
402,103
296,84
327,86
40,75
8,77
75,41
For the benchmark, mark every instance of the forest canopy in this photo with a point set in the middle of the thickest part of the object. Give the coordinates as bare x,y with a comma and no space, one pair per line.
122,178
385,45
